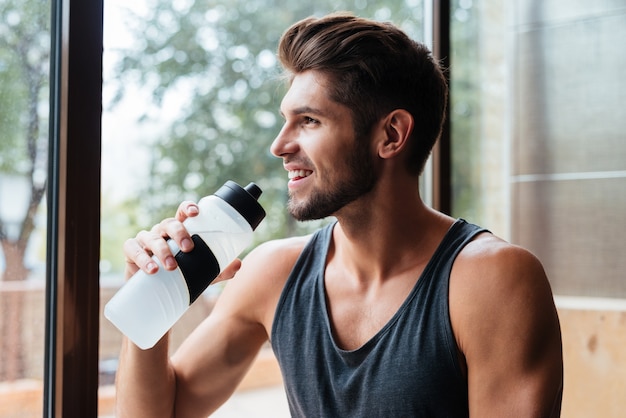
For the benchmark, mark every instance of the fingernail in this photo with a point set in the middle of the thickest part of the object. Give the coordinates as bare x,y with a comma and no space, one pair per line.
186,244
170,263
151,266
192,210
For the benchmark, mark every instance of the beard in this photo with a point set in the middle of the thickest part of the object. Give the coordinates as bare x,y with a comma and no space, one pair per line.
358,178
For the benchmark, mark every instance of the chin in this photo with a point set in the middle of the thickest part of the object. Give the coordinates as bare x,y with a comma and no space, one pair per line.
308,212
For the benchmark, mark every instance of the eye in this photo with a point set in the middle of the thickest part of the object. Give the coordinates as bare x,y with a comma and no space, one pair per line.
309,120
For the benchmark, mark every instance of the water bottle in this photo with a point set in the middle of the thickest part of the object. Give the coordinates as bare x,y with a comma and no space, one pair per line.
148,305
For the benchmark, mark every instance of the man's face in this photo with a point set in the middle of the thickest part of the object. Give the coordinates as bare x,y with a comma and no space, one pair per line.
328,167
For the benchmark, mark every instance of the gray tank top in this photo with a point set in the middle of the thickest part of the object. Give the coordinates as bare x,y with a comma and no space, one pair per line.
408,369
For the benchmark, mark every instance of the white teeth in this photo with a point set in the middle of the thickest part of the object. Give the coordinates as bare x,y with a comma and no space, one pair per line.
299,173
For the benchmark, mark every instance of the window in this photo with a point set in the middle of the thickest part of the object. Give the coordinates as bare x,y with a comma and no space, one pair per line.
538,149
24,86
50,70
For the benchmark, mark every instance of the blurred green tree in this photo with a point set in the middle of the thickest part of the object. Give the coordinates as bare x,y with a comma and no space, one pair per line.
24,73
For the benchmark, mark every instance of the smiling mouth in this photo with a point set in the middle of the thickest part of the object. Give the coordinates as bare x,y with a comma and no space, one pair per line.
299,174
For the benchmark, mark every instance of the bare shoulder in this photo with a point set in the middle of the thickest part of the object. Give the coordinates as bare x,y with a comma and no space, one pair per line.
287,249
270,263
492,279
257,286
490,263
507,330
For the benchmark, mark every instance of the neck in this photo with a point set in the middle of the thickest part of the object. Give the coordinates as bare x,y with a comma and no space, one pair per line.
387,232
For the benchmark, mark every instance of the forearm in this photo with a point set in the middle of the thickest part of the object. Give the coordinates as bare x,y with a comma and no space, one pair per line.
145,382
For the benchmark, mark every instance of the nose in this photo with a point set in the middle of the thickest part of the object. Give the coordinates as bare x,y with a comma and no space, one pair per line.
283,144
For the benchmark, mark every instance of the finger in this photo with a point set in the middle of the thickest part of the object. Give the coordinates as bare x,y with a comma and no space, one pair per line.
154,242
229,271
138,258
164,227
186,209
174,229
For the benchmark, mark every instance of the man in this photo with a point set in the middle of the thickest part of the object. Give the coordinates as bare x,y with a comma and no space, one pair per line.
395,309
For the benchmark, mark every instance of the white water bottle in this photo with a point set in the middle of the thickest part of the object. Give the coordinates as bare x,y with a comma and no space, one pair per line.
148,305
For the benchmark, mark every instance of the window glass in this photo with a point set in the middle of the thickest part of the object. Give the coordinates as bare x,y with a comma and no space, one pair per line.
24,83
191,99
538,144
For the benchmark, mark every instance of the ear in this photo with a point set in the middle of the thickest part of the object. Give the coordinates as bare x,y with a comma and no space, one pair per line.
398,126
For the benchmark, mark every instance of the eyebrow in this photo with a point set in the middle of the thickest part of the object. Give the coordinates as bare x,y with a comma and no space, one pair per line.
306,109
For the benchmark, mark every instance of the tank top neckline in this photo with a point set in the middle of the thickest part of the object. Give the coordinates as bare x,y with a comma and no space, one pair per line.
422,281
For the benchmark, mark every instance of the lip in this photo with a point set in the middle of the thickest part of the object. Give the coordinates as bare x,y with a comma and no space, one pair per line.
297,175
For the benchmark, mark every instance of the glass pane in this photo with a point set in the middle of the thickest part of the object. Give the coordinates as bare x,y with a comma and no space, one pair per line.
191,100
538,143
24,83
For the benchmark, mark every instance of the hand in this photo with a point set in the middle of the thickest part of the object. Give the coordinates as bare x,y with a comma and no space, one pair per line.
189,209
139,250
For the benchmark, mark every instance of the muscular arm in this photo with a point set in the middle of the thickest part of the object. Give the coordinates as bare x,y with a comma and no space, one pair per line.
200,376
215,357
145,381
507,330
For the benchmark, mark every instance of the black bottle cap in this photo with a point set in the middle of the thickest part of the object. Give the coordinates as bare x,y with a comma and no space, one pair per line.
243,200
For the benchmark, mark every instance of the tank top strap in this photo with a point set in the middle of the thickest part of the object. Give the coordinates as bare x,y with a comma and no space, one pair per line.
458,236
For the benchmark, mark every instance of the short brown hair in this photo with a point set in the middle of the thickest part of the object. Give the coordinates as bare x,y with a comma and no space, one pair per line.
374,68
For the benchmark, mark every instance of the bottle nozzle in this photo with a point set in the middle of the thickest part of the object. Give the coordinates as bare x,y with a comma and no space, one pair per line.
244,200
254,190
